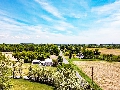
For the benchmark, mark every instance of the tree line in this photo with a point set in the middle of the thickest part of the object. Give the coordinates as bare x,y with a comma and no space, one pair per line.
28,52
72,50
108,46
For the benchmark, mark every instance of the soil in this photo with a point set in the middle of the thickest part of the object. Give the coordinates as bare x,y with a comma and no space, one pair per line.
106,74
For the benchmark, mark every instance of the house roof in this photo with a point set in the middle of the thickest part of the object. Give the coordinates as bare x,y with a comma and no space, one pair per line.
36,61
48,60
53,57
42,61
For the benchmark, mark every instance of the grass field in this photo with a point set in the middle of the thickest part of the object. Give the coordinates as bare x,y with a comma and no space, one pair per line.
106,74
20,84
107,51
35,66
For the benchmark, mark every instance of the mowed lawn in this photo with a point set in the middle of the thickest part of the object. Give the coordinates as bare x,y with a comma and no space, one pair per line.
20,84
107,51
106,74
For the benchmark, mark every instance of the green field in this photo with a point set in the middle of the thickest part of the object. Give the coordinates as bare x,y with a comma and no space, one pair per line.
20,84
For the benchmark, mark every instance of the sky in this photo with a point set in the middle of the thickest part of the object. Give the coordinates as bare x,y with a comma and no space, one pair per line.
60,21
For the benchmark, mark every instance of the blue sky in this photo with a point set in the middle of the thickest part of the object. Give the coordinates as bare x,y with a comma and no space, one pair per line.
60,21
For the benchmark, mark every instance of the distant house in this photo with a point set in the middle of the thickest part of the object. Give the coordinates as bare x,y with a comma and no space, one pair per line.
36,62
47,62
42,63
80,55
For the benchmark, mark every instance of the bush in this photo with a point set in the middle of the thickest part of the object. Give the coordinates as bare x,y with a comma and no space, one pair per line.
63,79
66,54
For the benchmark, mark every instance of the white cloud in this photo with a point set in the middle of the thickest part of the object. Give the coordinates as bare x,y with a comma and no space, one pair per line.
107,9
37,35
84,4
107,22
103,30
63,26
46,18
49,8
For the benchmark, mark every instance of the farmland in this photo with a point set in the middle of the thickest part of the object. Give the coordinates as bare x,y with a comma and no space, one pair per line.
107,51
106,66
106,74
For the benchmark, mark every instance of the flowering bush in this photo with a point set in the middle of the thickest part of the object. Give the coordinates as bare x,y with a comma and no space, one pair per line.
62,79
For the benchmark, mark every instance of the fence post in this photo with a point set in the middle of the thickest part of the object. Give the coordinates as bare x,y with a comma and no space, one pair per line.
92,75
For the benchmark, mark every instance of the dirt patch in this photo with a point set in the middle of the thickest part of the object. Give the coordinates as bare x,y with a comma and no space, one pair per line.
106,74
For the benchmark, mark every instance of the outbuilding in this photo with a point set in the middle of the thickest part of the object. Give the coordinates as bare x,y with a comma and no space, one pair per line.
36,62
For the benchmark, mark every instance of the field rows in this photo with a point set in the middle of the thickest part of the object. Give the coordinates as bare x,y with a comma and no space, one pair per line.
106,74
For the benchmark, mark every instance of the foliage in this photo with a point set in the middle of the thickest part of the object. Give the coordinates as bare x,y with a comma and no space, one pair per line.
66,54
110,57
63,79
73,50
60,59
4,73
55,62
90,54
28,52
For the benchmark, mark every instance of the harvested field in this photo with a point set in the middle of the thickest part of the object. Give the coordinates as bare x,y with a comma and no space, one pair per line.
106,74
107,51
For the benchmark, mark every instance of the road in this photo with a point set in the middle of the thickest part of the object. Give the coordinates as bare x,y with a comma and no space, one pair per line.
64,60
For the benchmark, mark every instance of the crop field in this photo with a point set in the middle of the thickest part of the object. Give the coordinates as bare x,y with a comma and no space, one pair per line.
107,51
106,74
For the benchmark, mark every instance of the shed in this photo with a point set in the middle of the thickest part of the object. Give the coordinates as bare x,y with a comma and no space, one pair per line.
36,62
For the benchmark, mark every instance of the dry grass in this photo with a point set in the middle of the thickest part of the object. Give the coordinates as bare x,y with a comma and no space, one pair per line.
107,51
106,74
